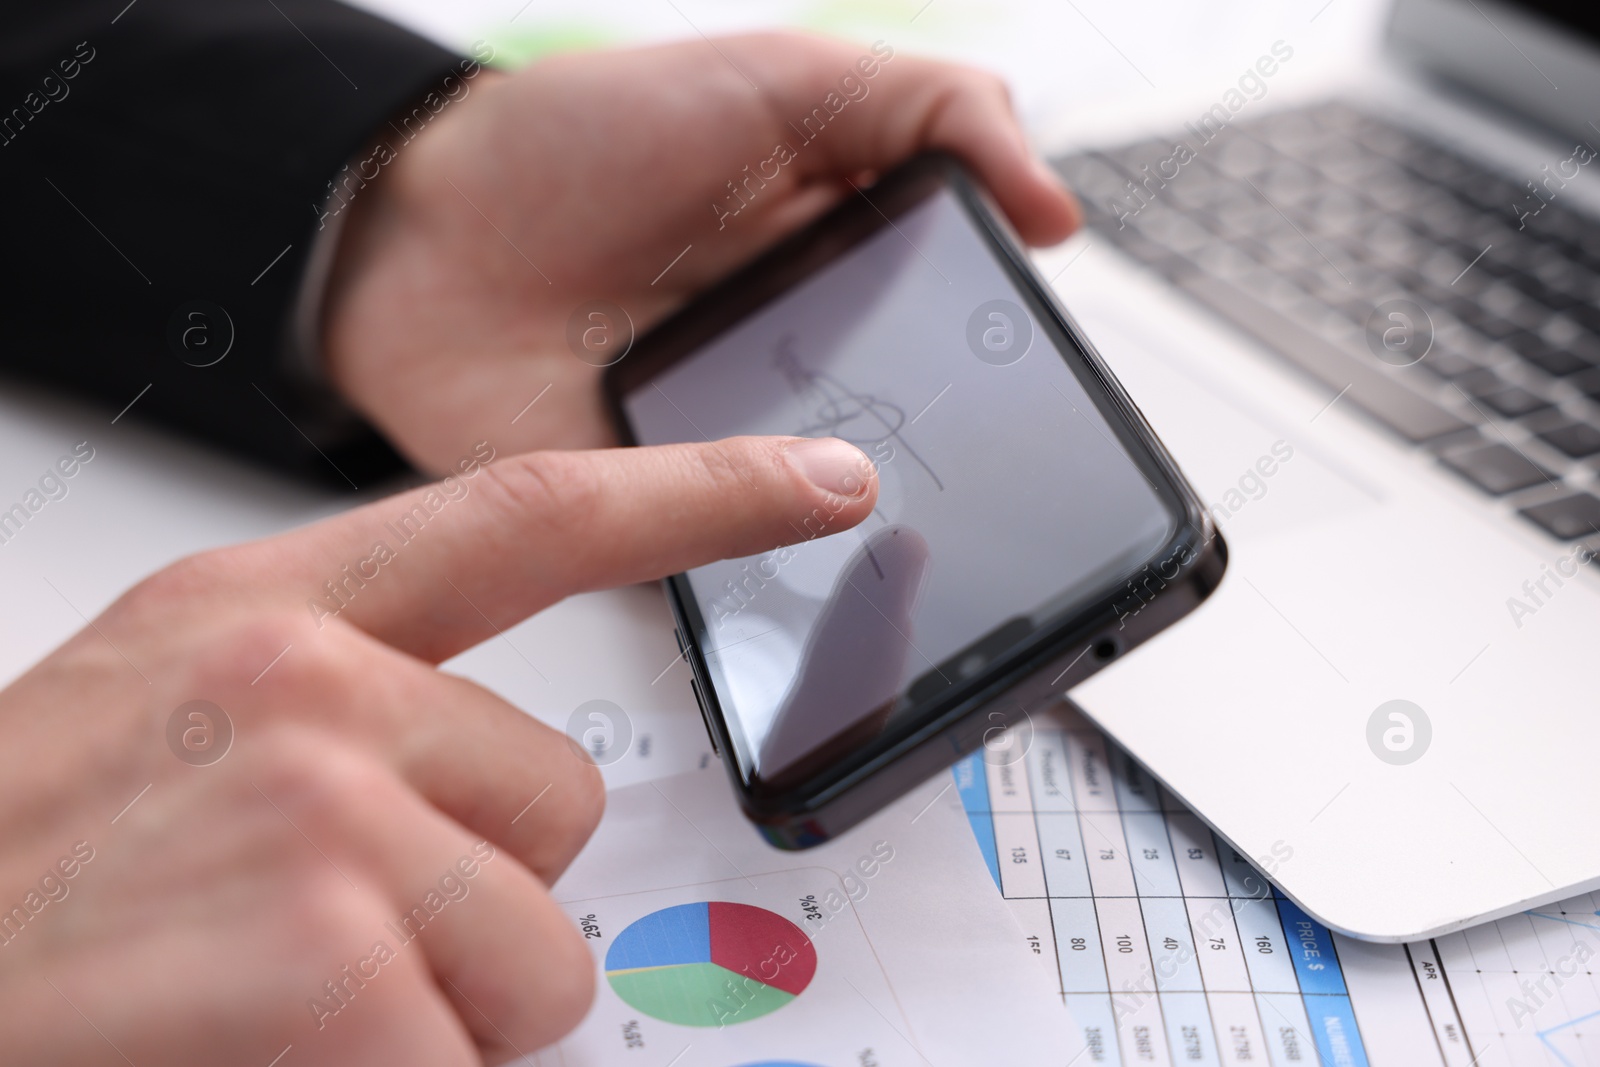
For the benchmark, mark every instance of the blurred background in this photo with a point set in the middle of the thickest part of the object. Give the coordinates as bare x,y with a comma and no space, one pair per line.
1059,56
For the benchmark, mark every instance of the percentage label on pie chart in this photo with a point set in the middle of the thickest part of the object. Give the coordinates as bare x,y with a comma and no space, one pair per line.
710,963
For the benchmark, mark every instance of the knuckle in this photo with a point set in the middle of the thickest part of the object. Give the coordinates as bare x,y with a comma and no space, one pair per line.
320,783
190,580
590,791
241,648
278,662
548,1003
727,466
323,916
987,84
569,999
712,466
580,811
561,491
320,674
571,813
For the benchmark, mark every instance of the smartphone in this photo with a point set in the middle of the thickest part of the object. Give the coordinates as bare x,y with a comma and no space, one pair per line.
1029,526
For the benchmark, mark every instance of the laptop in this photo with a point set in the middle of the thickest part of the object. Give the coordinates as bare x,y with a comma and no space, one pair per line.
1368,327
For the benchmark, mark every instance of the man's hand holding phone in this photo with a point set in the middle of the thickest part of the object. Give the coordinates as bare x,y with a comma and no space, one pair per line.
221,901
610,176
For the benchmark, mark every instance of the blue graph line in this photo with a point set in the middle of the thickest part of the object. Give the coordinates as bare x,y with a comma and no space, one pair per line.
1544,1035
1564,919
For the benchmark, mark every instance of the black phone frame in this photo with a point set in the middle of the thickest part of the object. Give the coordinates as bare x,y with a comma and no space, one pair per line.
1150,597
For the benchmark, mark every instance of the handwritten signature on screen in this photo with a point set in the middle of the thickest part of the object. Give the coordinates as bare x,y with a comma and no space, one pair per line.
860,418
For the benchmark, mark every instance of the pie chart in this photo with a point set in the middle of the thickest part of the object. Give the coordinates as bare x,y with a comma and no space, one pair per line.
711,963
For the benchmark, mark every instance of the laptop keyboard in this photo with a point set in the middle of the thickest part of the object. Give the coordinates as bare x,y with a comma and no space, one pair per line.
1349,246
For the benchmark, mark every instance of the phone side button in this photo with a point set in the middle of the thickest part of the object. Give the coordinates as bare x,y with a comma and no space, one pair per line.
683,649
705,717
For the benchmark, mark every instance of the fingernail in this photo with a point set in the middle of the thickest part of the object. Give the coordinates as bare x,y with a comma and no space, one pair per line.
831,465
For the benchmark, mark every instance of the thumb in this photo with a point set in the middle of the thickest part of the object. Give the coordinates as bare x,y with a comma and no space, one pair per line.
436,570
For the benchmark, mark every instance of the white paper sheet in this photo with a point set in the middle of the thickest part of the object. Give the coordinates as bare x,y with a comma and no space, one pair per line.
1168,947
918,960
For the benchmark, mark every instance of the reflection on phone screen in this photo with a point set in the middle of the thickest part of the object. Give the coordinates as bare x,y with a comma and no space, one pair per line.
1004,498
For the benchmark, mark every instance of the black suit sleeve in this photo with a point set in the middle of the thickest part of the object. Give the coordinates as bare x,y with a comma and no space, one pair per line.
164,159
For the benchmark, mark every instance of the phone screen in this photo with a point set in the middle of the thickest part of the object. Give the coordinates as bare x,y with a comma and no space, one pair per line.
1005,499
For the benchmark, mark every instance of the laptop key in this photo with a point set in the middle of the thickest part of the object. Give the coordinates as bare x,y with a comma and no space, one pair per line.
1567,518
1242,157
1489,324
1514,402
1536,290
1407,413
1553,360
1479,382
1096,181
1148,252
1589,383
1497,469
1577,439
1447,362
1587,316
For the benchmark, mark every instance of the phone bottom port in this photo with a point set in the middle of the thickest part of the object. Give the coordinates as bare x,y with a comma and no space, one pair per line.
1106,649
